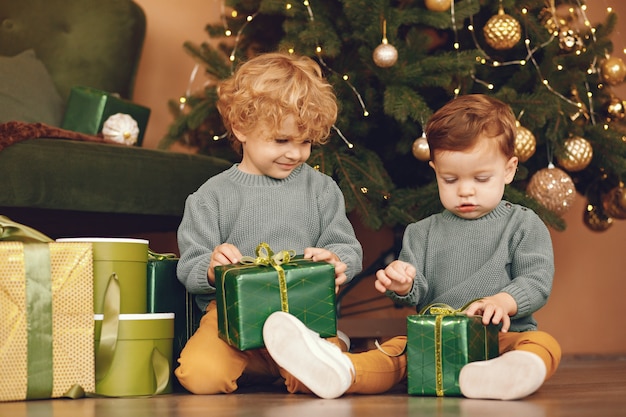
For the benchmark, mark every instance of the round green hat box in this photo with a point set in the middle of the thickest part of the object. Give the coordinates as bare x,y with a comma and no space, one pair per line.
128,259
132,370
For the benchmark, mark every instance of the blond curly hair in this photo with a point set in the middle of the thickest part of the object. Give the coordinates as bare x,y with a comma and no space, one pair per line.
268,88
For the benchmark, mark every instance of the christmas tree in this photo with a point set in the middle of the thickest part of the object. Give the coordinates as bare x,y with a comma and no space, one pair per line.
393,63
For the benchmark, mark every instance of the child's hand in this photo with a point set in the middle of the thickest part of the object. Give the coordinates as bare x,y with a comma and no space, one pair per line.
397,277
495,309
223,254
324,255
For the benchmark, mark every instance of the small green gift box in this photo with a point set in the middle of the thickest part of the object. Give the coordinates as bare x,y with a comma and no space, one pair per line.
89,108
440,341
166,294
248,292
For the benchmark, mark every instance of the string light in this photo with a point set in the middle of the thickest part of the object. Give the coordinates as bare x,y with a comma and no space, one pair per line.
344,77
345,140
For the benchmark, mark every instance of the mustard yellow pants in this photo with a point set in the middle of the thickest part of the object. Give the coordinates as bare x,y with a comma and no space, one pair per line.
377,372
208,365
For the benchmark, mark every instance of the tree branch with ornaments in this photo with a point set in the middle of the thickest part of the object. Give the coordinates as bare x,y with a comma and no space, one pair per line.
393,64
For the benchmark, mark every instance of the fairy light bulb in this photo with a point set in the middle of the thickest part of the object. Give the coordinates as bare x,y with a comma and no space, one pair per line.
288,6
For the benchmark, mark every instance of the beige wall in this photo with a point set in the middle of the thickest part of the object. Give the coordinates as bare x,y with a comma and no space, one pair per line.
585,310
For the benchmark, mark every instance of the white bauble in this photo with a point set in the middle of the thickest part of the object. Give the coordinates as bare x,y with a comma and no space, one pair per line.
121,128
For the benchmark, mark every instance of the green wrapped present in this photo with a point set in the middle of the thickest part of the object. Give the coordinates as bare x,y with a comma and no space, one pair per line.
440,341
248,292
166,294
89,108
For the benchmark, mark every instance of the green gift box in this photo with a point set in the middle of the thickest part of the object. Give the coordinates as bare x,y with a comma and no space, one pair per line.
248,292
166,294
439,343
134,354
89,108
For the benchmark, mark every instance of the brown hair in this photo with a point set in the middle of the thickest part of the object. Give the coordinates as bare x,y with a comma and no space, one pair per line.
272,86
459,124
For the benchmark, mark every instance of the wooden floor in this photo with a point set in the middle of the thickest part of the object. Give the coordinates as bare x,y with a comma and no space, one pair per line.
581,387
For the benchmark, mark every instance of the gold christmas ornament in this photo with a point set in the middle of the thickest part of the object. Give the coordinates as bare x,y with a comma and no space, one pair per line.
578,154
525,143
438,5
502,31
614,203
553,188
595,220
615,110
613,70
385,55
420,149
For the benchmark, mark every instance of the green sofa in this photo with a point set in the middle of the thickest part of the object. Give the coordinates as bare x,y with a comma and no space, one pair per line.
65,187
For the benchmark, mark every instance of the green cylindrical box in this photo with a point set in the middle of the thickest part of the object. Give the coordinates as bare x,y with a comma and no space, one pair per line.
139,337
128,259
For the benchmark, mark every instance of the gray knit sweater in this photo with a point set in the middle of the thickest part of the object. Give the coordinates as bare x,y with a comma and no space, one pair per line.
458,260
306,209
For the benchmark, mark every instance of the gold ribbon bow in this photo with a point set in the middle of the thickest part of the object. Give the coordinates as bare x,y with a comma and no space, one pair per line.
154,256
11,231
266,257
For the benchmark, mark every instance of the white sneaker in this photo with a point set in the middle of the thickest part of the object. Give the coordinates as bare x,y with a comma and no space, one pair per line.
514,375
317,363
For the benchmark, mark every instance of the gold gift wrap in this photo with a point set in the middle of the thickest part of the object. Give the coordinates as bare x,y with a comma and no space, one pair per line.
47,326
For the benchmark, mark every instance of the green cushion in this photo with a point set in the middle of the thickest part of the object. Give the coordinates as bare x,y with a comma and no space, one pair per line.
94,43
31,95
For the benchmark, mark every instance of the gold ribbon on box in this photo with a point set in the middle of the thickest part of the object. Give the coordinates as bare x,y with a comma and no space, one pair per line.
441,310
266,257
37,268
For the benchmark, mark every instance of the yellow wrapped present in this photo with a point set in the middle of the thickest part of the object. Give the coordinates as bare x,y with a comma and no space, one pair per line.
46,305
